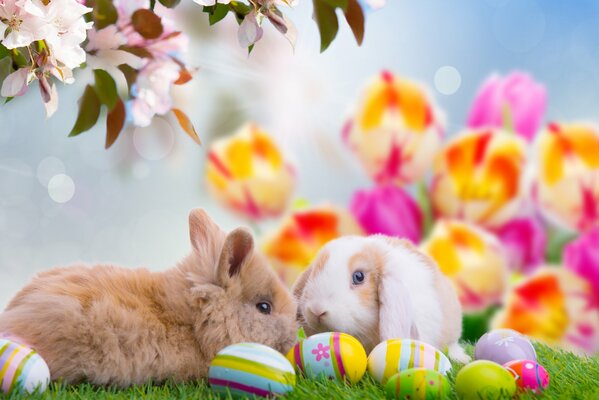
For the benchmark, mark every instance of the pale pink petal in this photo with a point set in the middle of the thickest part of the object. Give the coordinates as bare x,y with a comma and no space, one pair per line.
249,31
15,84
49,95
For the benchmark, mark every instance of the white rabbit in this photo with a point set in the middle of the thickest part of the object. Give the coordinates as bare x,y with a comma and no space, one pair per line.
377,288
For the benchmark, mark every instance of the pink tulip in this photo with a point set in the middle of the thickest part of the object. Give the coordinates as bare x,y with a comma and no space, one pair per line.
525,99
525,241
582,257
388,210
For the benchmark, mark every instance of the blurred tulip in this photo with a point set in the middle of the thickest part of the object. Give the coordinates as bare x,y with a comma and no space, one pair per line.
555,306
294,244
472,259
566,173
525,242
478,177
516,93
388,210
247,173
582,257
395,131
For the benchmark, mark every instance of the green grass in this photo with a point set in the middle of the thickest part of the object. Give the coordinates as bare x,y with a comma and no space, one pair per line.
572,377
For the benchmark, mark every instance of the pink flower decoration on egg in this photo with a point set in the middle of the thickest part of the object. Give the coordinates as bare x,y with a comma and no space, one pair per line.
321,351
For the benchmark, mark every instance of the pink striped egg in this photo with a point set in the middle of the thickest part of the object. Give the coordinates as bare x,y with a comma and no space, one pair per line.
396,355
333,355
21,368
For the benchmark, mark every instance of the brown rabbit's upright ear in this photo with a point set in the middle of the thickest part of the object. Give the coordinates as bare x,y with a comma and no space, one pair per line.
239,244
206,237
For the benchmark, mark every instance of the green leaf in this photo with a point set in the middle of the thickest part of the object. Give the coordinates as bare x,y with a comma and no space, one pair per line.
147,23
338,3
104,14
219,12
354,15
186,124
5,68
169,3
556,242
89,111
301,334
137,51
115,121
152,4
3,51
19,58
327,22
106,88
130,74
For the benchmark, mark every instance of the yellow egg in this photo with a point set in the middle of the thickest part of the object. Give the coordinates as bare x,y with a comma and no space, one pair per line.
396,355
331,354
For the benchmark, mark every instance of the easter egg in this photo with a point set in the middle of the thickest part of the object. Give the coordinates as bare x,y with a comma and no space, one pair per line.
331,354
529,374
247,369
417,384
21,368
503,345
395,355
485,380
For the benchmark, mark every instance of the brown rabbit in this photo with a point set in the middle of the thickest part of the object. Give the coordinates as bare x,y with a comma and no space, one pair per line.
114,326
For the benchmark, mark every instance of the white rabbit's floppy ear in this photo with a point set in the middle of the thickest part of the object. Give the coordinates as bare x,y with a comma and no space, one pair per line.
396,316
239,244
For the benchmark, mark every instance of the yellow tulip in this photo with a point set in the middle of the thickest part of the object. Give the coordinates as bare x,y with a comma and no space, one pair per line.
555,306
472,259
566,166
478,177
295,243
395,131
247,173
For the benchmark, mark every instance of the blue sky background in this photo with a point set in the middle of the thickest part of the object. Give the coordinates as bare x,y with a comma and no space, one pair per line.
131,203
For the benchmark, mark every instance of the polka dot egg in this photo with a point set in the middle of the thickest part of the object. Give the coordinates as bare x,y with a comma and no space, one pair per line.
529,374
247,369
417,384
395,355
21,368
331,354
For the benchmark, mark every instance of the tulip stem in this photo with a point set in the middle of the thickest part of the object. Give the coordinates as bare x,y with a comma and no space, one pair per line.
508,121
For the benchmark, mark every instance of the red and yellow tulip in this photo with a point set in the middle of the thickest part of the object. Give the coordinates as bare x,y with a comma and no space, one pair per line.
395,131
247,173
556,306
295,243
567,175
478,177
472,259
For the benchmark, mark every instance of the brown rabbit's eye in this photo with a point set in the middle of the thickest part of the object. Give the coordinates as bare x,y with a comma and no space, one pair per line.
358,277
264,307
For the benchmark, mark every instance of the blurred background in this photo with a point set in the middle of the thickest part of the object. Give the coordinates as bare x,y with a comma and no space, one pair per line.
64,200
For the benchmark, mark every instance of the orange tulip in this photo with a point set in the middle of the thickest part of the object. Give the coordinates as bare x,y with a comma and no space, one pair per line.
556,306
567,175
395,131
293,246
472,259
479,177
248,173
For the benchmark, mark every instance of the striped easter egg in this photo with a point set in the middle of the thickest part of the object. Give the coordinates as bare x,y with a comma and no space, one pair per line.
246,369
395,355
529,374
331,354
21,368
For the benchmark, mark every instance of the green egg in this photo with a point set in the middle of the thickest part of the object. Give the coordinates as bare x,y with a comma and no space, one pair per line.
417,384
485,380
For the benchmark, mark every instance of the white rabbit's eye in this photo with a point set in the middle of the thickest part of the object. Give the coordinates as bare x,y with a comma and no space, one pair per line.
358,277
264,307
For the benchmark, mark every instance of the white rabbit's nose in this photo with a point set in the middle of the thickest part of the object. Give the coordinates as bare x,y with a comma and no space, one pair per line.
318,311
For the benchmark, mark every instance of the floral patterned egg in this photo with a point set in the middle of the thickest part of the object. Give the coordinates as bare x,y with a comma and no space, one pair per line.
331,354
417,384
21,368
251,369
395,355
529,374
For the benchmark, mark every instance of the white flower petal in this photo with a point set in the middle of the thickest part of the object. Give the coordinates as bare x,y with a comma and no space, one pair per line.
15,84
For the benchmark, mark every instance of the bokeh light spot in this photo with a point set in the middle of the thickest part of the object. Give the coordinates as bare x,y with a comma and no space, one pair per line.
61,188
448,80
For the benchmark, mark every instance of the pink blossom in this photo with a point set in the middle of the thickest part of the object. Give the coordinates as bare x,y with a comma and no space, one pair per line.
388,210
525,99
582,257
250,30
23,21
525,242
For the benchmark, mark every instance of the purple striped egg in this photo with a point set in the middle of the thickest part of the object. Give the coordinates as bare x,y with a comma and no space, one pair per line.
21,368
332,355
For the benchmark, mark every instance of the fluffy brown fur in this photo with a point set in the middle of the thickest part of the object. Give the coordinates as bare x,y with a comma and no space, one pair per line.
114,326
